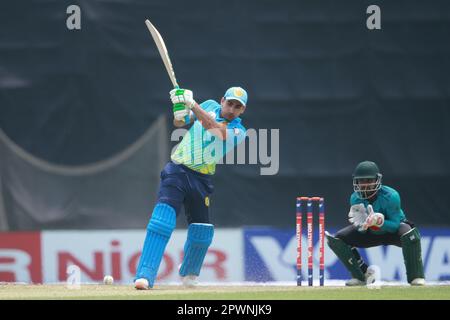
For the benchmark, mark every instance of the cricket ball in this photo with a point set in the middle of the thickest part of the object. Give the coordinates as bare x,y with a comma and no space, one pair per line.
108,280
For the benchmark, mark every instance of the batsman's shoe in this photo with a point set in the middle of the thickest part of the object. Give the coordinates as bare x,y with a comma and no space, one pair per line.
418,282
141,284
189,281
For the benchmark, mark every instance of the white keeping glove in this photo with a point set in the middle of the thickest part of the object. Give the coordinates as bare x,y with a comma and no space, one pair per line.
357,215
375,220
183,96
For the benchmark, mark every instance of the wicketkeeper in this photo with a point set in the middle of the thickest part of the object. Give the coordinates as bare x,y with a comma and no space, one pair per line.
376,219
186,180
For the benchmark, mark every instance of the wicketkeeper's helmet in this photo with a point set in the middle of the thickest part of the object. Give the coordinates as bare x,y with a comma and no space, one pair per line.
366,179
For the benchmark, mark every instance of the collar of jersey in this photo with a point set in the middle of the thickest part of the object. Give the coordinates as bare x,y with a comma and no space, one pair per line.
218,118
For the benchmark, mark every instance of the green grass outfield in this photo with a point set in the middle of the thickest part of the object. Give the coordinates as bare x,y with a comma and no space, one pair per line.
123,292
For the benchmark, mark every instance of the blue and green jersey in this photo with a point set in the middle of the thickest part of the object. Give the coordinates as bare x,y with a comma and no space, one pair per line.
200,150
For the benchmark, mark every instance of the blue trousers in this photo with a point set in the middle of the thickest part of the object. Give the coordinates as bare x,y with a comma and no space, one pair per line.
182,186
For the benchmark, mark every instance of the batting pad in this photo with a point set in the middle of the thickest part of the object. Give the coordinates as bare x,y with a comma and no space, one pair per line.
346,256
412,254
159,230
198,240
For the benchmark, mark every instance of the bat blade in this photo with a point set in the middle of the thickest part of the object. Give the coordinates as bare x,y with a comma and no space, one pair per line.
162,51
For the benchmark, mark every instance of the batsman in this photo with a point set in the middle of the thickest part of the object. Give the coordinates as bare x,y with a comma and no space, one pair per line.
376,219
186,180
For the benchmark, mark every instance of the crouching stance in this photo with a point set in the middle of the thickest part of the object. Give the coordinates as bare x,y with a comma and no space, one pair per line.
187,181
376,219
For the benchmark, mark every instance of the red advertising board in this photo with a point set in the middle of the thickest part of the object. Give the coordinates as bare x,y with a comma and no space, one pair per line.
20,257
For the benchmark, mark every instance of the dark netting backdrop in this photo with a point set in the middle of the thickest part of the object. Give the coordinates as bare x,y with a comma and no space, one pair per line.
85,116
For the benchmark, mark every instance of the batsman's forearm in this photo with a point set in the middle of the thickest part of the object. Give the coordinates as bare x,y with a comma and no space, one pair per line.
209,123
178,123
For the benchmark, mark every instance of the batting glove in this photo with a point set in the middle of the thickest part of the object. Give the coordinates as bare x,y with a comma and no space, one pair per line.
182,96
180,112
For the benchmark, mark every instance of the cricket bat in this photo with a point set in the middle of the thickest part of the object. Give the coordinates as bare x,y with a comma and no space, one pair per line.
162,51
